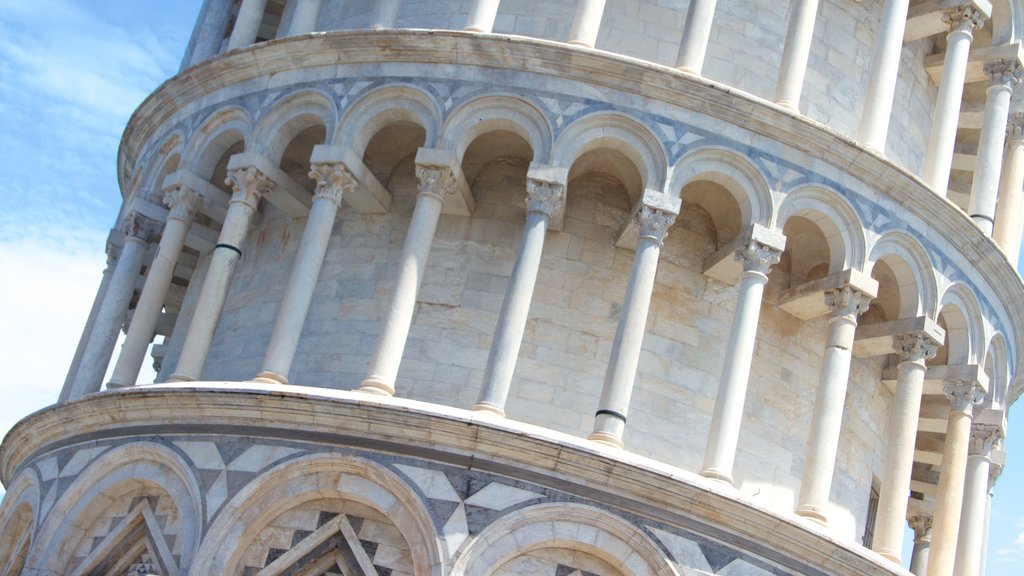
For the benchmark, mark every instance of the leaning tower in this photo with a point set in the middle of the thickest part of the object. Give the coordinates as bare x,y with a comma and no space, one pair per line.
623,287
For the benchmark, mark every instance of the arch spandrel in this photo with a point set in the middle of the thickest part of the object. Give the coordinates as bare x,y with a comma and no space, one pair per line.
382,107
218,133
732,171
965,330
621,134
913,269
836,219
497,112
290,115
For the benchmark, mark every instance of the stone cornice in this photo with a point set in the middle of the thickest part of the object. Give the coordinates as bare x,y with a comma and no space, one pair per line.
255,66
460,437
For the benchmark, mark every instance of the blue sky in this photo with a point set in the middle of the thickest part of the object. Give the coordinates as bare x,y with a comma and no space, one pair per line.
71,73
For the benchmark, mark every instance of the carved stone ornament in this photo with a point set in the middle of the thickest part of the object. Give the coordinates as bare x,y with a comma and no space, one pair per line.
983,438
963,395
248,185
654,223
333,180
964,18
184,203
758,257
847,301
136,225
1015,127
1005,71
921,524
437,181
914,347
543,196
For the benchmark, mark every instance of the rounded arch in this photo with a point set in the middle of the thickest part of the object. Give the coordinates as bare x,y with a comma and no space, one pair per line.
497,112
732,172
564,525
962,319
1007,22
834,217
289,485
388,105
289,116
164,159
144,465
619,133
913,270
218,133
997,365
19,513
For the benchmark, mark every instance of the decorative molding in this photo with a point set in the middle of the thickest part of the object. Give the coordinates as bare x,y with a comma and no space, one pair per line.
847,301
1005,71
963,395
333,180
921,524
758,257
915,347
543,196
248,185
963,18
654,223
983,438
436,181
184,203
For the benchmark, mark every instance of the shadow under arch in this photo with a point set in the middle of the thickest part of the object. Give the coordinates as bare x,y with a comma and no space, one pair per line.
835,219
19,514
497,112
621,134
385,106
960,314
733,172
221,131
913,271
289,116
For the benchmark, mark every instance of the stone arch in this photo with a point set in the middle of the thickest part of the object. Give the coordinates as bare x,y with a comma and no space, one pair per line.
385,106
913,271
621,134
219,132
150,468
733,172
835,219
1007,22
497,112
166,158
565,526
289,116
312,478
18,515
960,315
997,365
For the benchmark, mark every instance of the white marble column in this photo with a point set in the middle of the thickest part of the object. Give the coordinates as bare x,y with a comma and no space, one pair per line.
111,316
436,183
881,88
247,23
332,182
587,22
963,397
1003,76
249,185
922,527
720,453
846,305
995,470
385,14
793,67
1009,208
913,350
184,204
304,17
946,114
542,198
610,419
481,15
83,341
208,34
696,32
969,550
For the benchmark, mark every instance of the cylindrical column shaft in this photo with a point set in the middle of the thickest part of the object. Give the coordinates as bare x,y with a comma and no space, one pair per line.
587,22
696,32
542,197
184,204
913,349
304,17
720,454
946,115
823,438
969,551
881,88
249,185
208,35
385,14
111,315
922,526
481,15
949,499
83,341
435,184
1009,208
247,24
796,52
333,181
610,419
1003,76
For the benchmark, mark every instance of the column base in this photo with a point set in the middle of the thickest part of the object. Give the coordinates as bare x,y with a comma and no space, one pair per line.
890,556
488,408
688,70
376,387
606,439
181,378
718,476
812,512
117,385
268,377
788,105
580,43
476,29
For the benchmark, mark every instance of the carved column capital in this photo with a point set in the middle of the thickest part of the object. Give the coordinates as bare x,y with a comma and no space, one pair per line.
1015,127
248,185
915,346
436,181
136,225
921,524
847,301
963,18
963,395
654,223
184,203
983,438
1003,71
758,257
543,196
333,180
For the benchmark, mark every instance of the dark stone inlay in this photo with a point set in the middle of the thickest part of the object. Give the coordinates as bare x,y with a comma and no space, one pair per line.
370,548
563,570
299,536
238,480
273,554
325,517
356,522
717,556
382,571
441,510
208,477
63,459
232,448
478,518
